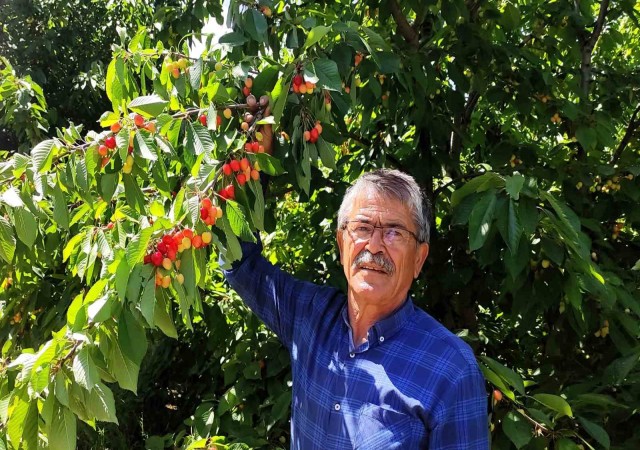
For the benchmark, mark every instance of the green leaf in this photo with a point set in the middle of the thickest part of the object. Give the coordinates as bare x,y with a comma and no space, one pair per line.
132,338
115,82
148,301
60,212
268,164
141,147
480,220
517,429
266,80
556,403
133,194
12,197
233,39
596,432
255,24
101,404
505,373
7,240
478,184
148,105
513,185
25,225
19,411
237,221
587,137
509,224
162,318
124,370
493,378
84,369
566,444
327,72
123,270
137,248
327,154
62,435
42,155
315,35
198,140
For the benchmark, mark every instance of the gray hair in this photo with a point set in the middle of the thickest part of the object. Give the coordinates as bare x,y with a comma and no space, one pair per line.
394,184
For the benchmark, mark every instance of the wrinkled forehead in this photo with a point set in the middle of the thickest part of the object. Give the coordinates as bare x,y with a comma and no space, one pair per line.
371,201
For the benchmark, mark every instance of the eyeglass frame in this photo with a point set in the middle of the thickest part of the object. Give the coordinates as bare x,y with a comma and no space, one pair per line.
411,233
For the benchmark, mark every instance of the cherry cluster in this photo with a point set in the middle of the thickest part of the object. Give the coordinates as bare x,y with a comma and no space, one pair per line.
300,86
209,213
313,134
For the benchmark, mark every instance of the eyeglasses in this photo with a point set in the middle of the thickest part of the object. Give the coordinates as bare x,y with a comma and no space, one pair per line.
391,236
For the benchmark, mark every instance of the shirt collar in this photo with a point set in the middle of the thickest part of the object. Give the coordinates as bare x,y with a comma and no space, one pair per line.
384,329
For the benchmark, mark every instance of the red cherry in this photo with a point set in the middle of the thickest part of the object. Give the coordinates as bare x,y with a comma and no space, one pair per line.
313,135
110,142
162,247
110,226
244,164
206,203
171,254
147,259
246,91
235,165
167,239
138,120
204,213
231,191
218,121
255,146
203,120
226,169
242,179
156,259
297,80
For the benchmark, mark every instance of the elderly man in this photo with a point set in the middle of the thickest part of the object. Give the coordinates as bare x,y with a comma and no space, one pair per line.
370,370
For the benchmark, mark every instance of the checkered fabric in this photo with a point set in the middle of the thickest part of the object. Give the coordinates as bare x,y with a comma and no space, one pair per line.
412,385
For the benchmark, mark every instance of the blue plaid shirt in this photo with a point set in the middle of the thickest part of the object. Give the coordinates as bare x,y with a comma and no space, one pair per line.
412,385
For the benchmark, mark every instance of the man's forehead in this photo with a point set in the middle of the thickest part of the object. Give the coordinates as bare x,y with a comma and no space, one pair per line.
369,201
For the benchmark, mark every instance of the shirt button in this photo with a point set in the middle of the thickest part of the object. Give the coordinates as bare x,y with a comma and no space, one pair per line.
336,406
381,338
352,355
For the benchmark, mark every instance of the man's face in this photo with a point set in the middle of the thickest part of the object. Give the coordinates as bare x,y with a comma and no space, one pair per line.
385,278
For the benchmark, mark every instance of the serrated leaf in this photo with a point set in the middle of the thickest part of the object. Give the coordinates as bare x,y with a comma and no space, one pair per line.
556,403
42,155
123,369
513,185
255,24
84,369
327,154
137,248
163,319
19,410
233,39
477,184
238,221
148,301
315,35
269,164
198,140
132,338
142,148
596,432
72,245
60,211
327,72
133,194
11,197
505,373
480,220
101,404
517,429
7,240
148,105
26,226
62,435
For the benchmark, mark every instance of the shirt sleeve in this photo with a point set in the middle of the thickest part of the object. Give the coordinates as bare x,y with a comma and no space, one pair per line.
275,296
464,423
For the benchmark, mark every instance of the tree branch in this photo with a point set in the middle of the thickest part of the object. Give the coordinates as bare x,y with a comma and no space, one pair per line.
461,123
634,123
588,44
404,27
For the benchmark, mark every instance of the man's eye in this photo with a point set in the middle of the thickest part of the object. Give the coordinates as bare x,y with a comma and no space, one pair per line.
363,229
394,232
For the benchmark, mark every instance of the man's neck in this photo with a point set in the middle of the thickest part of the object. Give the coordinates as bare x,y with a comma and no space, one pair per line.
363,315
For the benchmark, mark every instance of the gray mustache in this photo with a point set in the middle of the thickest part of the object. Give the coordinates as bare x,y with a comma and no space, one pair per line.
366,257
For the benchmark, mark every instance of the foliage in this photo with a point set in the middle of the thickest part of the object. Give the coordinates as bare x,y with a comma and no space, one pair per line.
520,120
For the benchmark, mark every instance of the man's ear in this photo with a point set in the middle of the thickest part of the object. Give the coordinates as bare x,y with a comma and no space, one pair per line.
339,239
421,257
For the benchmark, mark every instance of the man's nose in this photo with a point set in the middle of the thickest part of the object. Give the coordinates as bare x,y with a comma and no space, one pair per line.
375,243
